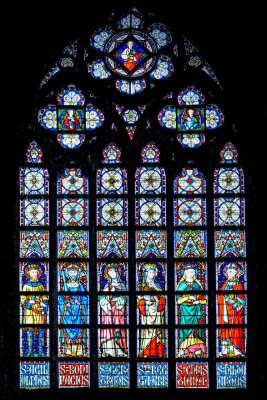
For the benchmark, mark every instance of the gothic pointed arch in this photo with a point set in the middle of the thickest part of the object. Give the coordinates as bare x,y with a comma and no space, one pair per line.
131,229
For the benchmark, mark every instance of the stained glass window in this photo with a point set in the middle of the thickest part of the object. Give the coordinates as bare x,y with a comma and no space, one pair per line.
127,223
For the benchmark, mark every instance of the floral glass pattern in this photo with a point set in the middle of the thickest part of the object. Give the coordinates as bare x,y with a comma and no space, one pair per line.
189,118
73,120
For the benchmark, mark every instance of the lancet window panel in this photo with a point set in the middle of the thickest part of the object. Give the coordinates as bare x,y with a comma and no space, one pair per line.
151,271
73,242
231,297
34,299
191,279
113,316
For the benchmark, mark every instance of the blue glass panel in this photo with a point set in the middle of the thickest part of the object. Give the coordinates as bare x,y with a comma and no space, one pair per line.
113,375
152,375
34,374
231,375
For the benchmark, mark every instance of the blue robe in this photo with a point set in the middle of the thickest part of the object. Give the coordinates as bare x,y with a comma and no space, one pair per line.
191,314
74,315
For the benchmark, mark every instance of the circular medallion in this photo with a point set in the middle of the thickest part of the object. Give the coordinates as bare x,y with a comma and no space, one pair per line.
130,53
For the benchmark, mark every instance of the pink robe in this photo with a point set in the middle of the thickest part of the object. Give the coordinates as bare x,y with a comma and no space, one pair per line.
113,339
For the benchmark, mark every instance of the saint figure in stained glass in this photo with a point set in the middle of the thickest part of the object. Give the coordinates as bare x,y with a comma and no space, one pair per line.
113,312
231,311
151,276
191,310
231,273
129,56
35,310
73,310
189,279
190,119
152,311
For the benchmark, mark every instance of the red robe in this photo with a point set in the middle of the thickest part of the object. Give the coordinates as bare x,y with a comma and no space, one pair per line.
155,347
229,316
130,64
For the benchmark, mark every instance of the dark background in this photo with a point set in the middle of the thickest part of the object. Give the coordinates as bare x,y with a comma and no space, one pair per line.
232,37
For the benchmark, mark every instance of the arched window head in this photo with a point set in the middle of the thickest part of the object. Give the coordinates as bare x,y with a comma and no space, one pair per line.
133,111
34,153
111,154
228,154
190,181
150,153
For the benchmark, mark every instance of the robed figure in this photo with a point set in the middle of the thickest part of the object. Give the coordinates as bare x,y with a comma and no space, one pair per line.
231,308
34,310
190,119
130,56
152,341
191,342
71,120
113,340
73,310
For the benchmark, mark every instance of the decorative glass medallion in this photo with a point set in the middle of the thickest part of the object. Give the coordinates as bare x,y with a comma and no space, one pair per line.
71,140
99,38
98,70
111,181
130,87
130,116
161,34
167,117
71,97
150,180
228,180
164,68
229,154
150,153
190,96
130,53
47,117
111,154
131,20
150,212
112,212
214,117
94,118
34,212
34,153
191,140
190,181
